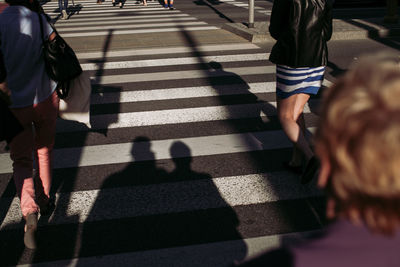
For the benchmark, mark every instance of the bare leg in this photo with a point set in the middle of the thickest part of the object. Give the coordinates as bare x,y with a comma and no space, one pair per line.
290,115
297,154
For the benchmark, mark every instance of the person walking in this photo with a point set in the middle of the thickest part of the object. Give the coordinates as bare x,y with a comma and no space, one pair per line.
301,29
63,7
169,4
34,104
120,3
358,144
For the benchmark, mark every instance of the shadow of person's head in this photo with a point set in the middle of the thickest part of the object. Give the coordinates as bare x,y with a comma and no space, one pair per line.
215,65
141,149
181,155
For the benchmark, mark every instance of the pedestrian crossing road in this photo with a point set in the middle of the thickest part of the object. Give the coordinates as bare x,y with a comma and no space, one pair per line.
183,164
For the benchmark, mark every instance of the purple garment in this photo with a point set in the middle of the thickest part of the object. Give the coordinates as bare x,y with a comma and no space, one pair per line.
347,245
341,244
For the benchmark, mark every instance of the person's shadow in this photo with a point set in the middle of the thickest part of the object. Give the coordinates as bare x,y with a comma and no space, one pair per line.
133,216
181,156
120,202
143,169
210,220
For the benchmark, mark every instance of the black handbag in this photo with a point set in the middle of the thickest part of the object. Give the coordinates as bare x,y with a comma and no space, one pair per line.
61,63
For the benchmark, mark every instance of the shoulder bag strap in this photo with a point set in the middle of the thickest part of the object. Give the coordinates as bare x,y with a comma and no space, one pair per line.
41,27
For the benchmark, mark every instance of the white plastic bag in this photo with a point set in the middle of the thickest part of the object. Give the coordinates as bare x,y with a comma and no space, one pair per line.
76,106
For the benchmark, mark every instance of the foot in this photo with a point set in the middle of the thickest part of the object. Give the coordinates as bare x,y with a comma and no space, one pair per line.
171,7
64,14
120,4
30,230
113,3
297,169
310,170
165,6
46,209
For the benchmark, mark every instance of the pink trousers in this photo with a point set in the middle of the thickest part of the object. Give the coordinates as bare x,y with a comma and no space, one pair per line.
37,139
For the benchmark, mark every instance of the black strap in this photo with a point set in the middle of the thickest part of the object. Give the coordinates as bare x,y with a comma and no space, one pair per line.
62,89
41,27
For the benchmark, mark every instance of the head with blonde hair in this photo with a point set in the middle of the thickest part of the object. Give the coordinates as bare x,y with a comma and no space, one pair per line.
358,143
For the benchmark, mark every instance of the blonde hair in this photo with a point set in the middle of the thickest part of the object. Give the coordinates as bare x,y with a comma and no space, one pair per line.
359,134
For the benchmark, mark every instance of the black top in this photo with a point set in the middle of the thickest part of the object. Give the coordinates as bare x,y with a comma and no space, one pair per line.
301,28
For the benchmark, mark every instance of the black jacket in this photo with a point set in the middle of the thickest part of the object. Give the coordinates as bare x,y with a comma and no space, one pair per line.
301,28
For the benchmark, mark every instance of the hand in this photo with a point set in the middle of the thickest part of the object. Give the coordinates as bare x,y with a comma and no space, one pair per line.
4,88
5,93
52,36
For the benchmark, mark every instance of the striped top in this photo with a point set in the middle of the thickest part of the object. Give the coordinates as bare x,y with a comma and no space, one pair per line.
290,81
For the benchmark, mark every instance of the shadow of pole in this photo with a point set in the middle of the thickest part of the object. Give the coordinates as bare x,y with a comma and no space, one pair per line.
374,34
219,13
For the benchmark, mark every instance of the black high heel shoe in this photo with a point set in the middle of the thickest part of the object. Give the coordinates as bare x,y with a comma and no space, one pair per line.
48,208
310,170
292,168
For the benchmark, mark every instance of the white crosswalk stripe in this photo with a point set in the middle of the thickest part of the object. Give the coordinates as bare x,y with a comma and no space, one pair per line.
246,5
162,51
122,25
198,190
117,153
179,197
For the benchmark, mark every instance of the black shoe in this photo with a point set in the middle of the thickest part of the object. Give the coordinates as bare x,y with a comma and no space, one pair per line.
289,167
47,210
310,170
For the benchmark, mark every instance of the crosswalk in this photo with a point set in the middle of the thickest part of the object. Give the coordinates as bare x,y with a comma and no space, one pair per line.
153,18
182,166
245,4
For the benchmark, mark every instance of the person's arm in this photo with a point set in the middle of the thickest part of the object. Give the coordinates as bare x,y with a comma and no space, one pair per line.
5,93
327,23
52,36
3,71
279,18
47,28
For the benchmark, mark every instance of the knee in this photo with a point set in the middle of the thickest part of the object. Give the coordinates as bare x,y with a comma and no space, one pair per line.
22,158
286,117
23,166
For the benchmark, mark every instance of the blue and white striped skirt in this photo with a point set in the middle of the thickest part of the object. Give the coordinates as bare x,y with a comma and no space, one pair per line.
290,81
